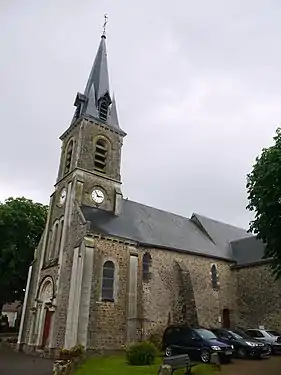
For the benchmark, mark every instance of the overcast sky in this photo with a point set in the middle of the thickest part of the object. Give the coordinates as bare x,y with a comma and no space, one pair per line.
197,83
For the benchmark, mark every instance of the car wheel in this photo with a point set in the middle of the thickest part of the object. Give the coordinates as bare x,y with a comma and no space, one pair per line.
205,356
168,351
241,353
270,350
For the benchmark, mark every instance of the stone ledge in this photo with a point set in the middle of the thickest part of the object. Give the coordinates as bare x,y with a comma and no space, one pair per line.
67,367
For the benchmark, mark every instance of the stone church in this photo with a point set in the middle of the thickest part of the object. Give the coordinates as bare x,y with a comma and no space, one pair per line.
109,271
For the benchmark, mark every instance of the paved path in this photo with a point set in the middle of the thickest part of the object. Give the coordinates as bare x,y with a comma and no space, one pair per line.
13,363
271,366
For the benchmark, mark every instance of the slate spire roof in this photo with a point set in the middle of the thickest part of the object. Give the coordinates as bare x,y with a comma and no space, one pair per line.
97,91
98,81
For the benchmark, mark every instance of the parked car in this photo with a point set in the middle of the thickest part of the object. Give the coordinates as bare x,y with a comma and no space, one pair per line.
198,343
269,337
4,323
244,347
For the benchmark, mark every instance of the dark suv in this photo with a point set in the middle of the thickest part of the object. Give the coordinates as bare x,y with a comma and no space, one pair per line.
244,346
198,343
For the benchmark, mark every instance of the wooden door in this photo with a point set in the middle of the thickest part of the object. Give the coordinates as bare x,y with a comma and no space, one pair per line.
226,318
47,325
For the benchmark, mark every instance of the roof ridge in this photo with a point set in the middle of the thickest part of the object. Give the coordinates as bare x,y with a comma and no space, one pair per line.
219,221
158,209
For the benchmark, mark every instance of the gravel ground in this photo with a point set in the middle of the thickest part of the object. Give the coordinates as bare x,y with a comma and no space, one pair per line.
271,366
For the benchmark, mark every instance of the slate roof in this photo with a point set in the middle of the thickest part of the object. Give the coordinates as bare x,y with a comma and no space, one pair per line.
247,250
150,226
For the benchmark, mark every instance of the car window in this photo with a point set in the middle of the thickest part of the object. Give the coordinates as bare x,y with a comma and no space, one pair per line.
217,332
273,333
192,334
225,334
235,335
251,333
242,334
259,334
177,334
205,334
168,332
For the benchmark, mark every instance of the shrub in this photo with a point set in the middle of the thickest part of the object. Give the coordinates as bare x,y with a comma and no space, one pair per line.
141,354
156,339
76,351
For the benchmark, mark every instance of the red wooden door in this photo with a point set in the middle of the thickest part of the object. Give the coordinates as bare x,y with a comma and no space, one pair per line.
47,325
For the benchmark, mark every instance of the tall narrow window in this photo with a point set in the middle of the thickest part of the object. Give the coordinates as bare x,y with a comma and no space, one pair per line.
54,240
108,282
68,157
59,237
101,155
214,277
48,248
146,265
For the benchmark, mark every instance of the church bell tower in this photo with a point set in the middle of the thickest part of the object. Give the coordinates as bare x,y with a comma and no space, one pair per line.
91,146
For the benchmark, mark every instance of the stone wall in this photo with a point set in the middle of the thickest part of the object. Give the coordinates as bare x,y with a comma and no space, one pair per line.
180,290
258,297
107,320
90,131
74,235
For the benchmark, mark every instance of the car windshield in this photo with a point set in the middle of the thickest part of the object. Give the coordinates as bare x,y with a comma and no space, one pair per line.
243,334
205,334
235,335
273,333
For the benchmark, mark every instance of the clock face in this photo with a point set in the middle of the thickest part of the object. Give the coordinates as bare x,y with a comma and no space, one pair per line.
97,196
62,196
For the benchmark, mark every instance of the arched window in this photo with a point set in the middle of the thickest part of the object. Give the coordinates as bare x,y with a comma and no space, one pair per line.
108,282
101,155
214,277
146,265
68,157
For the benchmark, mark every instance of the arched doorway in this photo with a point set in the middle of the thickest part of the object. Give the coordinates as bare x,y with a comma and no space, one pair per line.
44,312
226,318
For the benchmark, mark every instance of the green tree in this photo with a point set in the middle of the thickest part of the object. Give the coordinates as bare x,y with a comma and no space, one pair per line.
264,194
21,225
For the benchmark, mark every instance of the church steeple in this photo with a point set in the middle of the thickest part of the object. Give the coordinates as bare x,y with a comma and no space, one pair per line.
96,102
98,81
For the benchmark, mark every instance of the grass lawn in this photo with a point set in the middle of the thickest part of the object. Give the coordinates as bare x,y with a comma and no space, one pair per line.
117,366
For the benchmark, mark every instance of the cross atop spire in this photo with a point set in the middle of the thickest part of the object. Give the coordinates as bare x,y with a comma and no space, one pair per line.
104,25
96,101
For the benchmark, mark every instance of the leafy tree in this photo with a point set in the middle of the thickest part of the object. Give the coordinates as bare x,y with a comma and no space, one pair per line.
264,193
21,225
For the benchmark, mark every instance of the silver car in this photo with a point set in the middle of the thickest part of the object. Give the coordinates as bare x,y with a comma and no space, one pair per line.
271,337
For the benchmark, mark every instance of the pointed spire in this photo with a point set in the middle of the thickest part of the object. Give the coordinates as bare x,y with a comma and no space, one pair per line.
96,101
99,73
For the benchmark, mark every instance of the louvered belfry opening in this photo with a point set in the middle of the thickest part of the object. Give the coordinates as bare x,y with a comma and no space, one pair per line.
103,110
68,157
101,155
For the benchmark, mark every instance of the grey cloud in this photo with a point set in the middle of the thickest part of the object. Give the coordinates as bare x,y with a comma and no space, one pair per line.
197,87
